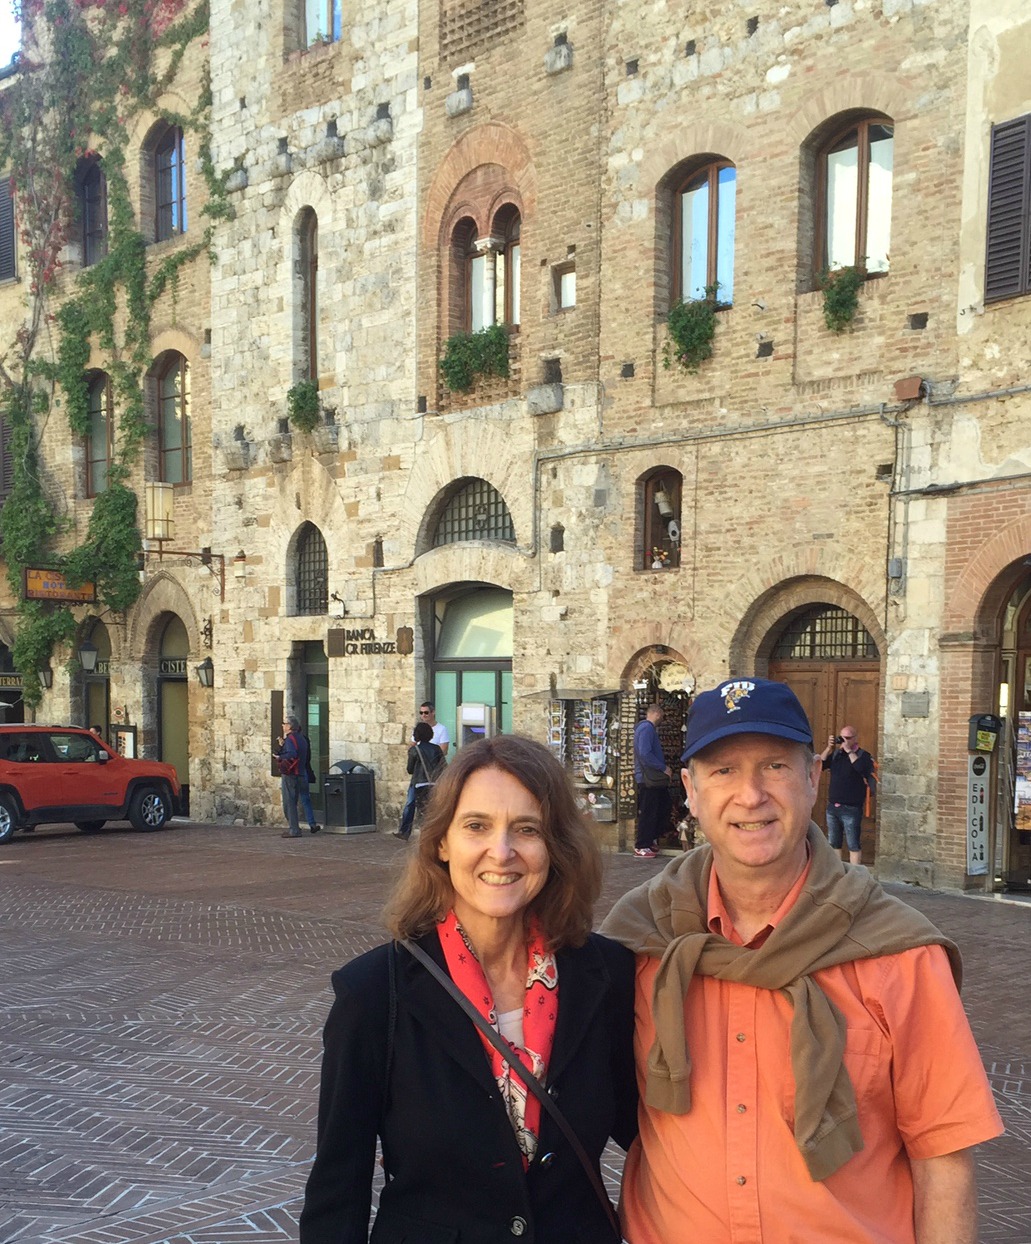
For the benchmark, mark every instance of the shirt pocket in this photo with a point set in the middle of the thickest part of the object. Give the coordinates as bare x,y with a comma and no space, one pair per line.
868,1062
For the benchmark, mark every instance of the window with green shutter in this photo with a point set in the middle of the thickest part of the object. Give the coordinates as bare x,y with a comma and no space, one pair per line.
1008,252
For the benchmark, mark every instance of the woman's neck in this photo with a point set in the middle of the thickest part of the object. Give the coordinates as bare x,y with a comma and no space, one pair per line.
500,947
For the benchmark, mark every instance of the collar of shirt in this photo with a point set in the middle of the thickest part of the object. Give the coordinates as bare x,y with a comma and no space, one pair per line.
720,922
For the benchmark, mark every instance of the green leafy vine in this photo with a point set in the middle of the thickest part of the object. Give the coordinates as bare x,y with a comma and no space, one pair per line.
690,328
470,355
101,64
841,288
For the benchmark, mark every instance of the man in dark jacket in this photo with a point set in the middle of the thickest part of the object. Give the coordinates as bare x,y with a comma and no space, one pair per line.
425,759
293,754
851,769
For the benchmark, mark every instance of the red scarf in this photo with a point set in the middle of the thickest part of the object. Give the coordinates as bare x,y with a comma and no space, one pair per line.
540,1013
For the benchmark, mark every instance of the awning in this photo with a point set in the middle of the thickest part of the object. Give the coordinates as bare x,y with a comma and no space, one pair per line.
568,693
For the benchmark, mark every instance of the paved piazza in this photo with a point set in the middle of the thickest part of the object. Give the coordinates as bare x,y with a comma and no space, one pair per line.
162,998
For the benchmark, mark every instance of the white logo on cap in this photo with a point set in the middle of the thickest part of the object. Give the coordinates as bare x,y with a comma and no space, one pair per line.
734,691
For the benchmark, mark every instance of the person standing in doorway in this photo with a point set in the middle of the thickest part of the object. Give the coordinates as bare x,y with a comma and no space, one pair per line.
427,714
851,769
652,774
292,754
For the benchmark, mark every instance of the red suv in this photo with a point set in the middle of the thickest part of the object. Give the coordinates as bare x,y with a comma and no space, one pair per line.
64,773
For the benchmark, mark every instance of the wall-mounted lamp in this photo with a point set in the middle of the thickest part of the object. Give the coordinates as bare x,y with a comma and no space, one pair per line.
206,673
240,565
87,655
46,676
334,596
205,633
159,502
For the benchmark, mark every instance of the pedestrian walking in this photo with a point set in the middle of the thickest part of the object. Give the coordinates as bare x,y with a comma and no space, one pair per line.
292,753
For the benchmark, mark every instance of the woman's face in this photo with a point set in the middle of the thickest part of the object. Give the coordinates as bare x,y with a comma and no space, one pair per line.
495,852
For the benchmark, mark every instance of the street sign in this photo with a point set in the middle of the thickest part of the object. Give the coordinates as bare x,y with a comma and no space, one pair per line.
977,815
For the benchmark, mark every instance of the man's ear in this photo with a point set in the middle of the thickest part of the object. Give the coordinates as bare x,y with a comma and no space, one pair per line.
688,785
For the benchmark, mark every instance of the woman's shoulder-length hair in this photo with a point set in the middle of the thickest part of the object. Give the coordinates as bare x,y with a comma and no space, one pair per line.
564,908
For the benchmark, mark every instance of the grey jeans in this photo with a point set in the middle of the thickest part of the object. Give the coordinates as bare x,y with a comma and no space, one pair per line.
291,788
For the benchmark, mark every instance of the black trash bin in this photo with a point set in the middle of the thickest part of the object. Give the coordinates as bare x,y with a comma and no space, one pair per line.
350,798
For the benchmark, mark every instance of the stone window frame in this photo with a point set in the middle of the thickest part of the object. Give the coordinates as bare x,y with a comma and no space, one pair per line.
654,525
164,404
306,268
685,177
823,143
99,449
91,206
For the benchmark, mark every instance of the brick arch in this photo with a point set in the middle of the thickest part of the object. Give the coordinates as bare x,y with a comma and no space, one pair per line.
163,595
177,339
849,92
976,597
753,641
645,659
492,143
715,137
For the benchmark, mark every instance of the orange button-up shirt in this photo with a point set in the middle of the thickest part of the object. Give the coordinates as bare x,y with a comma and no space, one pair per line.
729,1171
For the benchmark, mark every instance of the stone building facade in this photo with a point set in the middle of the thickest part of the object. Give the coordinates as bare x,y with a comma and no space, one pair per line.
846,510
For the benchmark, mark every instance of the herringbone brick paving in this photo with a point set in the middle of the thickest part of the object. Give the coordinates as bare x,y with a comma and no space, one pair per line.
162,999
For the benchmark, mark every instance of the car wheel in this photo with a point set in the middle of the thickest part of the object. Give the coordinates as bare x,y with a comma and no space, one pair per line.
90,827
149,809
8,818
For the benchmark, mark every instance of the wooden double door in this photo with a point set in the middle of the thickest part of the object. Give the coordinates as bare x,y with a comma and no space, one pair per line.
834,694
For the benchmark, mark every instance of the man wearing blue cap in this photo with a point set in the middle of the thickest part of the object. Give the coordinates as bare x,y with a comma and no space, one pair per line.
791,1018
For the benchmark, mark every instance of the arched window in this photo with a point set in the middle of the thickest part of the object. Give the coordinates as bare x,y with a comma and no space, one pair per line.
704,205
312,571
488,271
825,633
101,431
175,442
854,192
661,491
475,511
308,265
91,188
169,184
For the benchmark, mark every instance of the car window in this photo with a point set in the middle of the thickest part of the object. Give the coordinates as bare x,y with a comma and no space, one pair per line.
22,748
75,748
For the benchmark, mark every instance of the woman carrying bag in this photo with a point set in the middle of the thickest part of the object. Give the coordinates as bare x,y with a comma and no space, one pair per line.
493,965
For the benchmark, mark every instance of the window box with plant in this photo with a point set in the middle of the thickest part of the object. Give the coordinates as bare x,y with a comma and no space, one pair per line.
841,295
691,328
470,356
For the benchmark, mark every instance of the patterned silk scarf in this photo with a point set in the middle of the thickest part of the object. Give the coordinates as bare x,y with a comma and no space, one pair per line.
540,1013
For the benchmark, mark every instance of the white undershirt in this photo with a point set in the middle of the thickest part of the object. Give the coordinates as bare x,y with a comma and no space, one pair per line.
510,1025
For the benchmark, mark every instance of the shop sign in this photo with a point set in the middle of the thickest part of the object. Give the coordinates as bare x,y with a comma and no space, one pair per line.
361,641
977,816
40,584
172,665
10,680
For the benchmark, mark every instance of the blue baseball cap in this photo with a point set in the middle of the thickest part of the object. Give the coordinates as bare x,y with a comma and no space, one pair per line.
745,706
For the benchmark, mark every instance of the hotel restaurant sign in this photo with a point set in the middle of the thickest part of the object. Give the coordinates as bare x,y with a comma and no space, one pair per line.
41,584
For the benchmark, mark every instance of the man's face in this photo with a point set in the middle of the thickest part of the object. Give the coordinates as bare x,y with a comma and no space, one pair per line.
849,741
753,795
427,715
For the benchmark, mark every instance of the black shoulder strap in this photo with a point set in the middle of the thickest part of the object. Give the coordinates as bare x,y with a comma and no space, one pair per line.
531,1082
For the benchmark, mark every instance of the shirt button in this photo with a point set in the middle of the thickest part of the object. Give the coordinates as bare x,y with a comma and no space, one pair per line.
741,1036
741,1108
742,1180
547,1160
517,1226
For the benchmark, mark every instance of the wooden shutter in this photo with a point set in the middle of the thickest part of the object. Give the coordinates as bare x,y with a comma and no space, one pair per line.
6,462
8,269
1008,255
277,702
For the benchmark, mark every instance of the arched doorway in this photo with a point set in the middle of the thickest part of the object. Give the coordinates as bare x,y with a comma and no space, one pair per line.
12,706
96,686
174,702
831,662
470,650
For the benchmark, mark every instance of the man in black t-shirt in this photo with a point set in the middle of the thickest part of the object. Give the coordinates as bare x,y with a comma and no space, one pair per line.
851,769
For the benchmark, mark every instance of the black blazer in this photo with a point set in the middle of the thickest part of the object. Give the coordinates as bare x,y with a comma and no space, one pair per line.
455,1173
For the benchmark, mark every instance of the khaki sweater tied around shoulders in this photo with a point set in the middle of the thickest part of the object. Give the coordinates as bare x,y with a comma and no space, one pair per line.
841,915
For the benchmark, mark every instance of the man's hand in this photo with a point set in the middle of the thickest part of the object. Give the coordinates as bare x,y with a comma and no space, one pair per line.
945,1199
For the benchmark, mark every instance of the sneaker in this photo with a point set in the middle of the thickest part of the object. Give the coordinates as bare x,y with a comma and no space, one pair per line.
315,829
397,834
644,853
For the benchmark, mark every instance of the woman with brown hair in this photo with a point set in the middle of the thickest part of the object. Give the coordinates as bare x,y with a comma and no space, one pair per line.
498,895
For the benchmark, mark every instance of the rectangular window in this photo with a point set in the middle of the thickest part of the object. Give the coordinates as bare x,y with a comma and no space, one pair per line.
842,206
565,288
8,251
694,231
322,21
1008,252
175,449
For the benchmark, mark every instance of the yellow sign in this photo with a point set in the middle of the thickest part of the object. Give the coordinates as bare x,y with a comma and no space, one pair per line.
52,585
